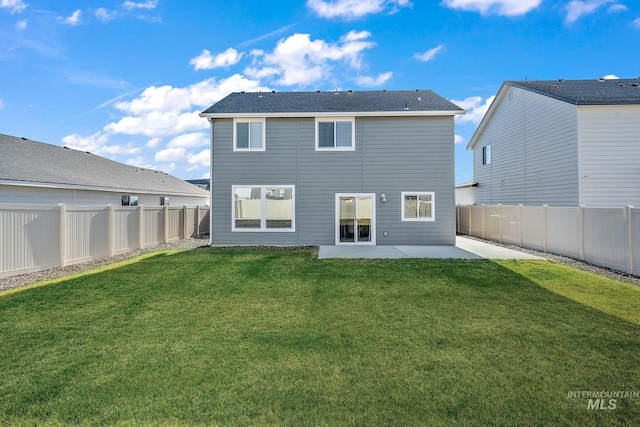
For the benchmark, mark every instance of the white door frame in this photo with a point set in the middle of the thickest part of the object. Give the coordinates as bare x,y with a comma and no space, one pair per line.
372,229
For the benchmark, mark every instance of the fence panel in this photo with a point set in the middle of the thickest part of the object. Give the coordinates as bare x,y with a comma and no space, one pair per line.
634,236
463,219
477,220
153,226
511,224
605,237
125,229
563,231
492,222
533,227
29,239
204,220
87,234
175,227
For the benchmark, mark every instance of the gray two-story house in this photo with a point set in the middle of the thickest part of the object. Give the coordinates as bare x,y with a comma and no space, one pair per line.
325,168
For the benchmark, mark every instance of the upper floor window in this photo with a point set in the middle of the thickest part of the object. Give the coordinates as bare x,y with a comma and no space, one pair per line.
486,155
335,133
248,134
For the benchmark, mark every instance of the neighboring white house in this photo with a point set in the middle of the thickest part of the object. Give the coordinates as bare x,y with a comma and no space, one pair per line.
43,174
560,142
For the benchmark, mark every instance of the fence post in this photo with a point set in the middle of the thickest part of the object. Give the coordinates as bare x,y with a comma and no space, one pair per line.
581,230
500,222
628,210
166,223
197,221
110,227
184,221
62,233
457,219
141,226
520,210
544,225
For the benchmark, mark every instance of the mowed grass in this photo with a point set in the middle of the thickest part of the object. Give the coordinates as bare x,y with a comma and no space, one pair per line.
250,337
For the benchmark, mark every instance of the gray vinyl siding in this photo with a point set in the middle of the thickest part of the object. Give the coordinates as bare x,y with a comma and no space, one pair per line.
391,155
610,155
534,149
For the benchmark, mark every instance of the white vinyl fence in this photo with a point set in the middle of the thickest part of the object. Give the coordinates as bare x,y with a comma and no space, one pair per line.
609,237
35,238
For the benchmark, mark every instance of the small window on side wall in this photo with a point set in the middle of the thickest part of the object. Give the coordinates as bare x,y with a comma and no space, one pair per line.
418,206
486,155
129,200
164,201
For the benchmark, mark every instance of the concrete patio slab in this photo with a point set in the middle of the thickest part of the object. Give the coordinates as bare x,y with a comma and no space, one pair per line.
465,248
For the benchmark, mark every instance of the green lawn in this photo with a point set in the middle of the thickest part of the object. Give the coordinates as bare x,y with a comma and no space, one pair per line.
251,337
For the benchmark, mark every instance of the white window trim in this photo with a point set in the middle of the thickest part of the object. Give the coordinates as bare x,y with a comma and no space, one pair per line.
419,193
372,230
263,210
249,120
351,119
486,154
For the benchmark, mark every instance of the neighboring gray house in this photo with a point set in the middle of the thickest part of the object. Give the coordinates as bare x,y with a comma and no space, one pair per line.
42,174
560,142
312,168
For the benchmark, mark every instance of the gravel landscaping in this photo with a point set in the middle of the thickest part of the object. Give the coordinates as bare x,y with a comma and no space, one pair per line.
13,282
190,244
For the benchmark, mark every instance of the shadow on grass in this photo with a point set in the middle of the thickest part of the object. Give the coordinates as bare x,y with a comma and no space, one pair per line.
278,337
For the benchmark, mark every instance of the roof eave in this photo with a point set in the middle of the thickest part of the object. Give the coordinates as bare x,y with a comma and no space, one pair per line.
403,113
56,185
487,116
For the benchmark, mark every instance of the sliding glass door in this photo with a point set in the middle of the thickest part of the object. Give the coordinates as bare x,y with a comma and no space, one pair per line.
355,219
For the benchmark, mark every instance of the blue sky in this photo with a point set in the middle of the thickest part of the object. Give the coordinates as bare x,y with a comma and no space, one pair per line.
127,79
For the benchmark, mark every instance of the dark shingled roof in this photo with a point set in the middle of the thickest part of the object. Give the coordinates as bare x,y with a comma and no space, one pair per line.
31,161
405,101
586,92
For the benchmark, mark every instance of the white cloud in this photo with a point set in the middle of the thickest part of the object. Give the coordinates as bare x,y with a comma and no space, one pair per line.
636,24
206,61
200,160
610,77
14,5
170,154
475,108
22,25
166,110
149,4
153,142
429,54
458,139
96,144
104,15
1,104
576,9
618,8
374,81
352,9
74,19
494,7
298,60
189,140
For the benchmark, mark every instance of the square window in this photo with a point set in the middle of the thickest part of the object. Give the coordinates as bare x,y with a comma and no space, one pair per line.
335,134
249,135
418,206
